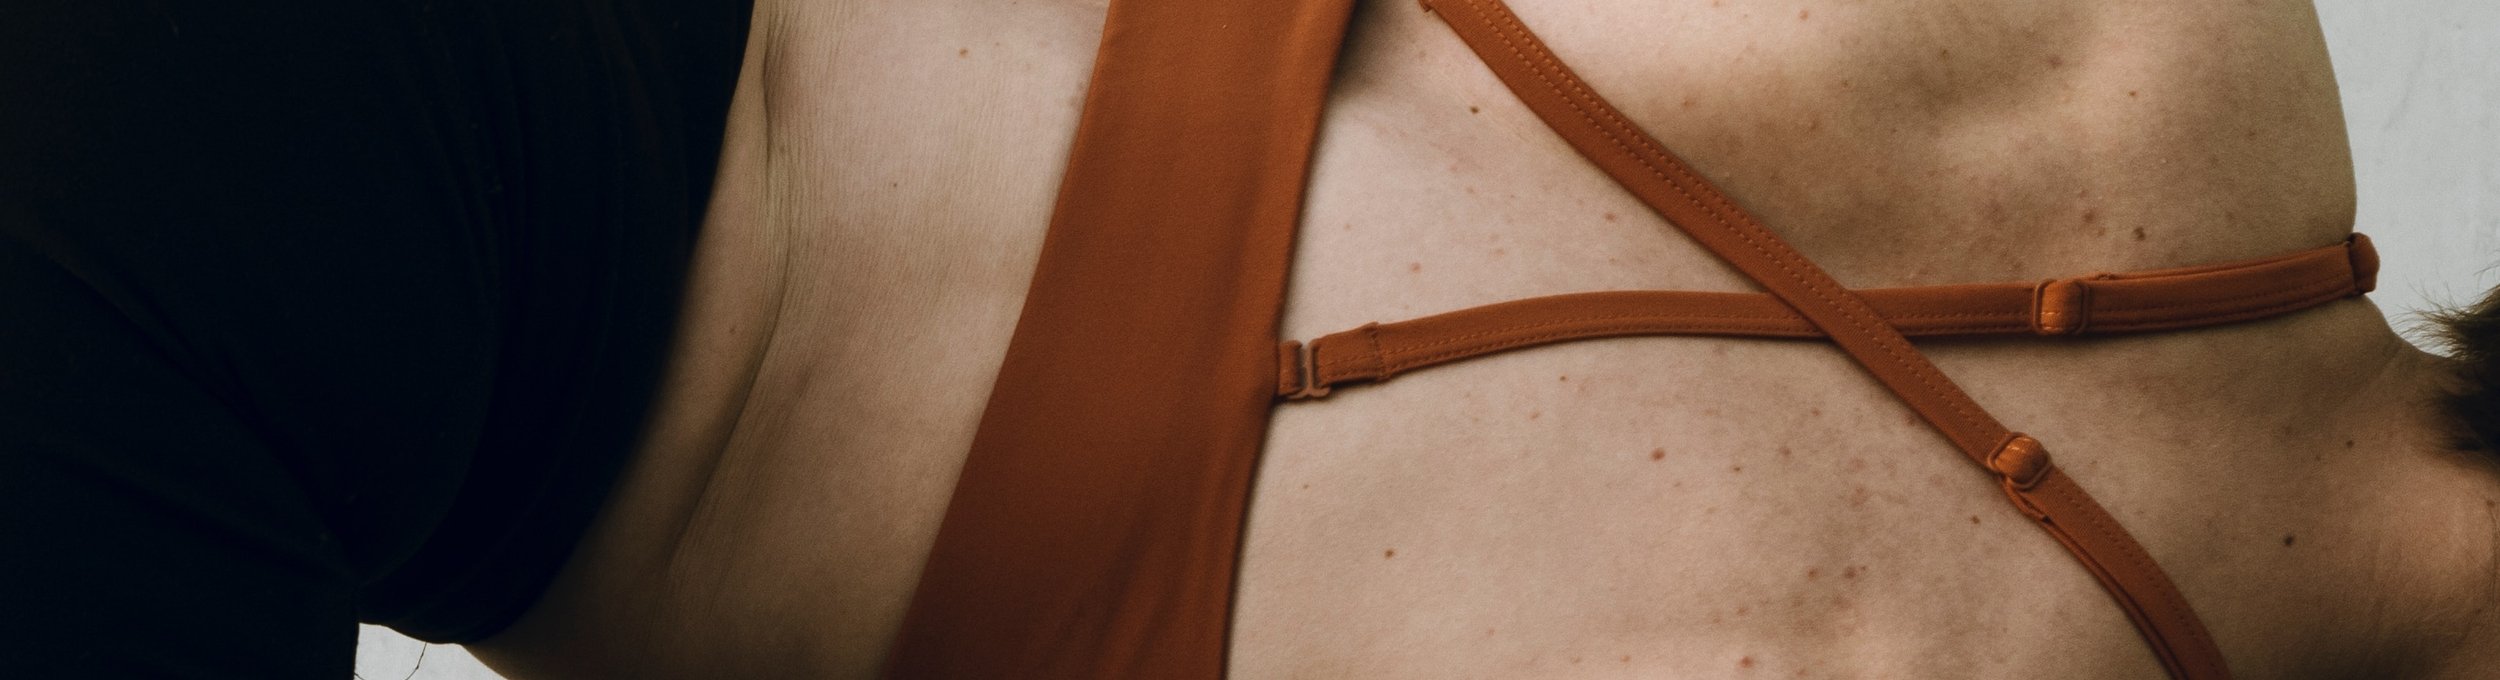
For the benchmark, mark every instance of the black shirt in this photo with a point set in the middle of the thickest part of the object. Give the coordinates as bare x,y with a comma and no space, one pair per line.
319,312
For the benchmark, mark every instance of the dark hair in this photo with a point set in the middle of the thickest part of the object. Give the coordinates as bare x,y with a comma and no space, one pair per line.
2471,336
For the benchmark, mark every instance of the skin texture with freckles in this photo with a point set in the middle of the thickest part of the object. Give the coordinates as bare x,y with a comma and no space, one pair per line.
1621,508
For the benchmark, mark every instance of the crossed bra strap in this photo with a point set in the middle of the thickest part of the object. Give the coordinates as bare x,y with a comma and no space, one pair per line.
2133,302
1852,321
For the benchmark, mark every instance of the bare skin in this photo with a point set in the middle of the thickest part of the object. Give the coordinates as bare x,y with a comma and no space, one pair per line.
1623,508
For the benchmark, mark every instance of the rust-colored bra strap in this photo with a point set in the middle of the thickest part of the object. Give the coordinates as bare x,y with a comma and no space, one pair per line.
2098,304
1094,529
1659,179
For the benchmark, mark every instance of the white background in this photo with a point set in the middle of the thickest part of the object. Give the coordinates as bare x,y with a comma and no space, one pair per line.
2421,83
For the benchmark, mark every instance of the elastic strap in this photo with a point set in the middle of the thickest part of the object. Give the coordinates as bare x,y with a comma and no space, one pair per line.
2098,304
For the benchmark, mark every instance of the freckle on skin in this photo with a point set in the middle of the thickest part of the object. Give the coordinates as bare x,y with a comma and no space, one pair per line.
1658,454
1974,519
2138,234
2347,443
1736,469
2091,215
1627,658
1688,102
1533,415
1390,553
1814,411
1813,573
2288,539
963,52
1786,452
1802,14
1412,267
2057,61
2131,94
1610,217
1746,662
1472,109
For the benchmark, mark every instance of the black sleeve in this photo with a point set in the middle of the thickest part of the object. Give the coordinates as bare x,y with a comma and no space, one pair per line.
145,529
315,312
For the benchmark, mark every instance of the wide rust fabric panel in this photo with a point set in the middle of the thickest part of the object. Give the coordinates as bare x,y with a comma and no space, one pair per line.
1094,531
1661,180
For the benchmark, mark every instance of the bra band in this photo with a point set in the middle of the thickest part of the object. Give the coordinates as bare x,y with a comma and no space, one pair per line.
1094,530
2024,469
2099,304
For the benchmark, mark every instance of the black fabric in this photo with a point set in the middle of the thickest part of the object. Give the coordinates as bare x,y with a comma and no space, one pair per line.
319,312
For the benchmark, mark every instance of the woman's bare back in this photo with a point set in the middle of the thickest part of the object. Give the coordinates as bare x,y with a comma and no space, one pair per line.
1618,508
